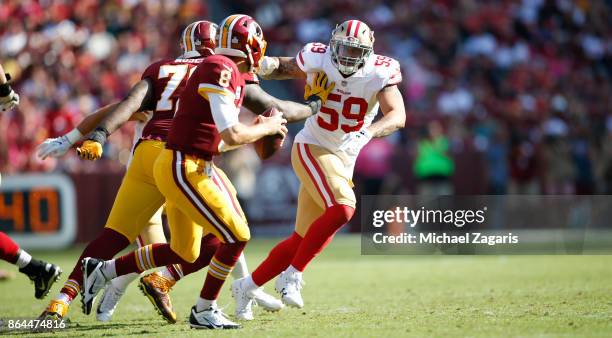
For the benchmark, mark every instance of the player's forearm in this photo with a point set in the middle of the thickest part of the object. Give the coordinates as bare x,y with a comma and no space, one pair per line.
121,113
91,121
293,111
258,101
394,112
239,134
286,68
389,123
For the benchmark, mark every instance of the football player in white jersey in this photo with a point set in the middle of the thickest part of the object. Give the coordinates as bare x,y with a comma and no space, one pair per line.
350,83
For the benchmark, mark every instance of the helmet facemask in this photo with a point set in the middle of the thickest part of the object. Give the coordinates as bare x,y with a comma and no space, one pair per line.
348,54
257,52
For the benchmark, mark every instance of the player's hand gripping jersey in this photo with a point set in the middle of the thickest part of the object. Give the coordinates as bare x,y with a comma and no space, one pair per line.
195,130
353,103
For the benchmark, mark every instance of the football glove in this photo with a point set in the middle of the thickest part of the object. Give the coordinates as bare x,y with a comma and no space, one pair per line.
319,89
8,98
355,142
90,150
56,147
267,66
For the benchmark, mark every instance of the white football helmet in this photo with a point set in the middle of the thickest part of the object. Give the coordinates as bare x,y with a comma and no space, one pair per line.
352,42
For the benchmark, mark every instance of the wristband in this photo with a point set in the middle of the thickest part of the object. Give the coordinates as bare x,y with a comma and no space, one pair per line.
99,135
366,133
74,136
314,102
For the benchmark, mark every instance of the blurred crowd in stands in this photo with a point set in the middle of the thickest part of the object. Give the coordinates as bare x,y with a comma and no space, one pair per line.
70,57
501,97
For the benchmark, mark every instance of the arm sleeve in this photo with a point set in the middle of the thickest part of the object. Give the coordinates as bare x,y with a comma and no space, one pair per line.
310,58
393,75
224,111
151,72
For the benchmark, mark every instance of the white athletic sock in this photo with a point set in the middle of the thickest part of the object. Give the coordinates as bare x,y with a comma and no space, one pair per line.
204,304
108,269
240,269
23,259
166,273
291,269
122,282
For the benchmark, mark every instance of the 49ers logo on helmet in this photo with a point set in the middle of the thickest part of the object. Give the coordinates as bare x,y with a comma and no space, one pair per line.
241,36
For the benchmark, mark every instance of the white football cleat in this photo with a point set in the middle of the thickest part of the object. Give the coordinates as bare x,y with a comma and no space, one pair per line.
93,281
244,300
288,284
211,318
267,301
108,302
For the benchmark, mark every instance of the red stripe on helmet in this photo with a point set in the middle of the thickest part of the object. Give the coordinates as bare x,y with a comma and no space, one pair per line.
357,29
348,30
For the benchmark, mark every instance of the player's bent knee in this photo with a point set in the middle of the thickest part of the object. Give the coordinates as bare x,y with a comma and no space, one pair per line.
343,213
189,255
127,234
242,233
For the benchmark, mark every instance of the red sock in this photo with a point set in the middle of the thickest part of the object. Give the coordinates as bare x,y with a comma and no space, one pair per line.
105,246
320,233
220,266
9,250
277,261
208,247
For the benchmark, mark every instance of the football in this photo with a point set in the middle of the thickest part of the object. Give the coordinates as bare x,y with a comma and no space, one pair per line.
268,145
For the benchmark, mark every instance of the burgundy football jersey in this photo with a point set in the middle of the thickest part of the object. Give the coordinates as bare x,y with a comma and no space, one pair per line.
193,129
169,78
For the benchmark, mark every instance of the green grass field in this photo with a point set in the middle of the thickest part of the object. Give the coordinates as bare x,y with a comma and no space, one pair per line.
379,296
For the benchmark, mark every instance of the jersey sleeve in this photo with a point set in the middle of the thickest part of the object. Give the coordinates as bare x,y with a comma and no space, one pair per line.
218,77
223,110
389,71
151,72
310,58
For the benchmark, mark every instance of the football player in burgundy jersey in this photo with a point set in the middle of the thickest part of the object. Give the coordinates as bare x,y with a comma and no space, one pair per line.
137,200
199,197
158,89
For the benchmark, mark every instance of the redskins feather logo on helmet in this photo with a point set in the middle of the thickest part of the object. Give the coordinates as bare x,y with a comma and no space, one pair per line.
241,36
198,39
352,43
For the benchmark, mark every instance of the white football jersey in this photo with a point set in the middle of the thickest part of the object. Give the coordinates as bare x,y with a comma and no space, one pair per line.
352,105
